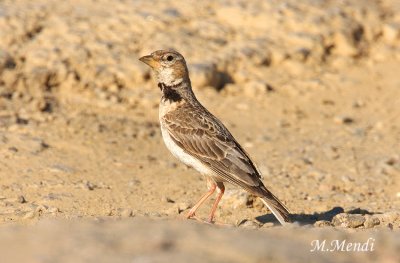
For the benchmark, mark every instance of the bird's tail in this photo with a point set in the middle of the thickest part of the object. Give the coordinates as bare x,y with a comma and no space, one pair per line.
276,207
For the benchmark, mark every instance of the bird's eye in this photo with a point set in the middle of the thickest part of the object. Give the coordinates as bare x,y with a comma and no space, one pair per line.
170,58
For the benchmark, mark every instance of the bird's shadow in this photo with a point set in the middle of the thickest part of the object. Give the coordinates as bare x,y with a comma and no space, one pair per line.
310,219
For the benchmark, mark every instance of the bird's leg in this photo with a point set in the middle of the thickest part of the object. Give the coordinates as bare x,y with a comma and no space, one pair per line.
220,193
211,185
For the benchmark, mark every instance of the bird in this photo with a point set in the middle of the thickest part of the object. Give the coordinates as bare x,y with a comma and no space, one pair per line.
200,140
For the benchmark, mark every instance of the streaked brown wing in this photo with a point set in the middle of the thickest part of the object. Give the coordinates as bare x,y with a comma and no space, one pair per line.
204,137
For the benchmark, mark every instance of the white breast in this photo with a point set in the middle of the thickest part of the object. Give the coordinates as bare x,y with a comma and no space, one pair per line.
181,155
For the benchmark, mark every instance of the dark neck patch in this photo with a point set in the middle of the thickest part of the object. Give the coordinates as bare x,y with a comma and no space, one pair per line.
169,93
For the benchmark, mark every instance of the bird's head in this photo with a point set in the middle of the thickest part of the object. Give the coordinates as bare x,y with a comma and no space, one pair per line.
168,65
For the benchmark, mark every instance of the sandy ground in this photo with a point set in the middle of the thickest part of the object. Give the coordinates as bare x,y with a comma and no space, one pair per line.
311,90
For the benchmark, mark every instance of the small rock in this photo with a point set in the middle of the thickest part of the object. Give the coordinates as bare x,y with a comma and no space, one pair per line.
53,210
6,61
371,221
307,160
345,42
268,225
29,215
391,32
343,120
134,182
389,217
245,223
203,75
110,212
21,199
300,54
358,103
255,88
154,214
174,210
90,186
38,146
13,149
126,213
40,209
322,223
61,168
331,152
390,226
183,206
166,199
52,196
393,160
236,198
320,176
348,220
172,12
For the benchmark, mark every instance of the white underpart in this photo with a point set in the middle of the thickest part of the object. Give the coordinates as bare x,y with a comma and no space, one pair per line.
181,155
177,151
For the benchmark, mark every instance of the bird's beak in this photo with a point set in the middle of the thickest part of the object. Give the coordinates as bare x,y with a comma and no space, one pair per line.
149,60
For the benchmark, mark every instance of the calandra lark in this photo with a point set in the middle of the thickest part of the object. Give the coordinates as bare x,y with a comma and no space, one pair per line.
200,140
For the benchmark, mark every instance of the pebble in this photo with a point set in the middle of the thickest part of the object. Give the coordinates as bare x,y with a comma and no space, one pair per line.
389,216
153,214
391,32
245,223
255,88
236,198
29,215
205,74
344,41
183,206
343,120
332,152
322,223
371,221
53,210
61,168
88,185
126,213
166,199
348,220
40,209
13,149
389,226
268,225
358,103
134,183
174,210
38,146
21,199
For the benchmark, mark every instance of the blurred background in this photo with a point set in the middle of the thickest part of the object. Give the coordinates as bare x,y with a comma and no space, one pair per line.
311,89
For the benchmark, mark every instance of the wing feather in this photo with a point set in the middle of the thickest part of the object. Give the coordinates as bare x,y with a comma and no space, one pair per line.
208,140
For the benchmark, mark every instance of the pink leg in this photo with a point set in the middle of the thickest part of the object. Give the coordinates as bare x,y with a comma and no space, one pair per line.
220,191
211,189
